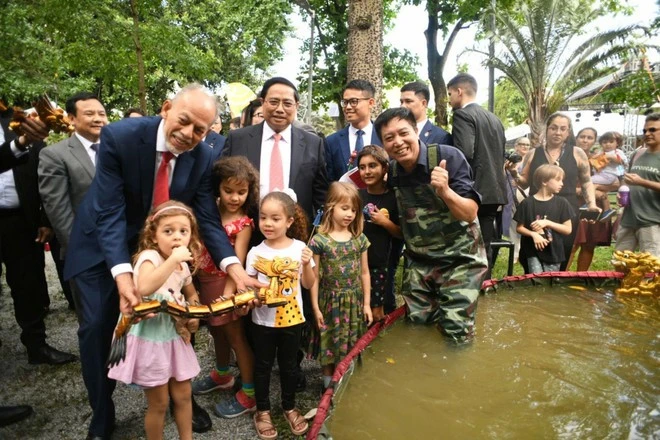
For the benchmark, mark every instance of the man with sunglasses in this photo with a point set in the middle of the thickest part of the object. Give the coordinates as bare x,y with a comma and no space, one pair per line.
358,100
640,224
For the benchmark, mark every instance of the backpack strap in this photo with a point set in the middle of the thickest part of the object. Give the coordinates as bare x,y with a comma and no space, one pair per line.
432,155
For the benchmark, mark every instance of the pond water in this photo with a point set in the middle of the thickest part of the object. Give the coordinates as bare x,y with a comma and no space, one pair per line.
546,363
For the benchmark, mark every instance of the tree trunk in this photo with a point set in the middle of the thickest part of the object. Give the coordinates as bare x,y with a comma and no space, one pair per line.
142,89
436,61
365,45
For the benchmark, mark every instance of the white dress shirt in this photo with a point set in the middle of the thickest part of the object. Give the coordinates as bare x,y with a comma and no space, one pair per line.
366,137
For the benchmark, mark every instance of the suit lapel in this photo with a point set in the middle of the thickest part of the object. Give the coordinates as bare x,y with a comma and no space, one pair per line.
426,132
253,145
182,168
80,154
297,151
147,164
345,145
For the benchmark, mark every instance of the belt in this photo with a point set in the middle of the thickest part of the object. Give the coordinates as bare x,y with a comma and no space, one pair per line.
7,212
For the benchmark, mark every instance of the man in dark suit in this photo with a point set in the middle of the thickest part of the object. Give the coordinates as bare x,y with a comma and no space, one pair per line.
24,228
108,222
301,153
213,138
479,134
358,100
299,163
415,97
66,169
14,153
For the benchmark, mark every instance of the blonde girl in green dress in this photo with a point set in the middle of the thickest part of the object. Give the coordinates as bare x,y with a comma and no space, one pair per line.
341,296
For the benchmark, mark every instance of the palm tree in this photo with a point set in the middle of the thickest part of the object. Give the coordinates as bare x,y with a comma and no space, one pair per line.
537,52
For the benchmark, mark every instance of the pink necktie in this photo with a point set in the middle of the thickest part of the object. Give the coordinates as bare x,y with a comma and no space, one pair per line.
276,172
162,184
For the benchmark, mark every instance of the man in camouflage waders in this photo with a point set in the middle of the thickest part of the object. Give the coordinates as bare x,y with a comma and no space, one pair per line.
445,258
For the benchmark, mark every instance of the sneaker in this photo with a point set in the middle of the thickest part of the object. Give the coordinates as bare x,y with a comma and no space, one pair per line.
606,215
239,404
212,382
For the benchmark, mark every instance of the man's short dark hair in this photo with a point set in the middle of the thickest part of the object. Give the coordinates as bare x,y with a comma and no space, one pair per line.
419,88
128,112
652,117
394,113
70,105
465,81
278,80
362,85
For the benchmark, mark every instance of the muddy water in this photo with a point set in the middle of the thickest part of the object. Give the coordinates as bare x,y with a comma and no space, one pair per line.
546,363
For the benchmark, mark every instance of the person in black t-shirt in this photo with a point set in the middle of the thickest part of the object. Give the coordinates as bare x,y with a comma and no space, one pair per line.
382,220
542,218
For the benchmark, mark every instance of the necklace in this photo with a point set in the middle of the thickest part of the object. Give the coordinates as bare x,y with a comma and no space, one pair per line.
552,157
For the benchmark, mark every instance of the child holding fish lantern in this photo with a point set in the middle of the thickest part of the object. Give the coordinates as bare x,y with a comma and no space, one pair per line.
542,218
284,261
159,356
238,186
382,221
341,298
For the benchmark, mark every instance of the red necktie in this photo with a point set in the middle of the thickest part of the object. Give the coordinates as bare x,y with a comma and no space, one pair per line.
276,172
162,185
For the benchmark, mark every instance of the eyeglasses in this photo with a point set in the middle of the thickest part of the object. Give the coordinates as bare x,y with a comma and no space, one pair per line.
649,130
353,102
287,104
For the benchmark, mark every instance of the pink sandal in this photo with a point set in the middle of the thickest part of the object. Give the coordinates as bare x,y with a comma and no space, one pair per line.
263,423
296,419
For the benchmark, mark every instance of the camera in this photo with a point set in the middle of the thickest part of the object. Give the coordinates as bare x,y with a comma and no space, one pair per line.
512,156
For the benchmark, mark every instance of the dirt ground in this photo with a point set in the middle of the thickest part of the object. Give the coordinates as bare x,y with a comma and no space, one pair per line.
58,394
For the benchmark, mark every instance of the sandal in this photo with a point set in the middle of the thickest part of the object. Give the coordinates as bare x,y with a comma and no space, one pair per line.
263,424
294,418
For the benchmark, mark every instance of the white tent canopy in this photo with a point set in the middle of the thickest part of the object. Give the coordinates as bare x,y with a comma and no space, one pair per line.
517,132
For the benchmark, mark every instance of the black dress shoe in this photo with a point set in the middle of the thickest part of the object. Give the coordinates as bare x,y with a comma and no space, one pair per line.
201,422
45,354
13,414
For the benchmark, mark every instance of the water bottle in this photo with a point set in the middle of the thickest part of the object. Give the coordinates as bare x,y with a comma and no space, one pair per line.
624,195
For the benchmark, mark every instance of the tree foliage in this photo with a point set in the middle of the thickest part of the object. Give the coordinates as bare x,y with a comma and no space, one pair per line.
331,51
63,47
447,18
546,52
510,106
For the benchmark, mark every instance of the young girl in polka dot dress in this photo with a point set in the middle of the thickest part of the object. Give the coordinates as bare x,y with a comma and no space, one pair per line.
277,331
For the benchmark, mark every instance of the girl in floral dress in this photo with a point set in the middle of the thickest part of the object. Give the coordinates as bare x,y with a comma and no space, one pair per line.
238,187
341,297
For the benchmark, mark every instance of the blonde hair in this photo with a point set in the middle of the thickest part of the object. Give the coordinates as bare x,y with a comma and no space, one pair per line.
545,173
170,208
340,192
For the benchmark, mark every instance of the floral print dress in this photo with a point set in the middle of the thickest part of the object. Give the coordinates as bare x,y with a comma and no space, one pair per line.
340,296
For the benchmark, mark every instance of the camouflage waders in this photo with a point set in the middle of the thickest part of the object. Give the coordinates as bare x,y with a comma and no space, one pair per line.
445,262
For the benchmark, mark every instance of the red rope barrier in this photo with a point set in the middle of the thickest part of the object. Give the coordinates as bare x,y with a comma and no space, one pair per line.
344,364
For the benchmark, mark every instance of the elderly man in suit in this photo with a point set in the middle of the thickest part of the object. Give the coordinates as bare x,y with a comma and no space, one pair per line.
285,155
66,169
479,134
107,225
358,100
415,97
